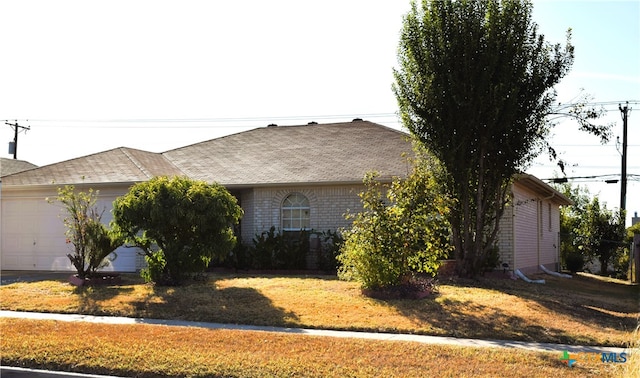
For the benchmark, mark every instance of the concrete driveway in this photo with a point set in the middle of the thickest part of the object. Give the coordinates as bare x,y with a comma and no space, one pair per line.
11,276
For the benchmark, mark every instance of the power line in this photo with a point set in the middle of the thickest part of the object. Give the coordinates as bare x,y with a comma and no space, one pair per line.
608,178
560,106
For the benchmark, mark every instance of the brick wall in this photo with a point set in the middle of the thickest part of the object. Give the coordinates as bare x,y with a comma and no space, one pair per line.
328,204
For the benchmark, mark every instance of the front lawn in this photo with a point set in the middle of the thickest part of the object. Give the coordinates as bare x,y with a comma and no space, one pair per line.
585,310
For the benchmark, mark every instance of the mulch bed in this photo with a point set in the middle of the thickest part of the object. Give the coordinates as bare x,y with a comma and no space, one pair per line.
102,279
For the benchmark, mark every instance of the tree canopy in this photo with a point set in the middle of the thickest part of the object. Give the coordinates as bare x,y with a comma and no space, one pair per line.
475,86
180,224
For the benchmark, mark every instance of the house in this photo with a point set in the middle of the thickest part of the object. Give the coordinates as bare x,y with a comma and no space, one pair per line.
10,166
290,177
529,233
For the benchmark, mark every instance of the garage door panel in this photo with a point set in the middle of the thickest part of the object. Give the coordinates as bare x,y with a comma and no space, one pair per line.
54,263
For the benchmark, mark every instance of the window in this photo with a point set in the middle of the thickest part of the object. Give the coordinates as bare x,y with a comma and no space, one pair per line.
295,213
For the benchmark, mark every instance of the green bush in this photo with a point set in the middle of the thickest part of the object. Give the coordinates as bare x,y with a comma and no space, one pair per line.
330,244
275,250
181,225
492,259
395,236
574,262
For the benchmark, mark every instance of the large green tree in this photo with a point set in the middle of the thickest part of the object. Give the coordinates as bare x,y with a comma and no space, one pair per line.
475,85
180,225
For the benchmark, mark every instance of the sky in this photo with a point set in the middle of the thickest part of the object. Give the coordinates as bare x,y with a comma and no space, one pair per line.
86,77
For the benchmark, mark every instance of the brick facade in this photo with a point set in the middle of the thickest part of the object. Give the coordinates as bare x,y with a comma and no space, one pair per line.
327,204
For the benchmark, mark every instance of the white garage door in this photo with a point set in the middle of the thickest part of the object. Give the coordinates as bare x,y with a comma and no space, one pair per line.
32,238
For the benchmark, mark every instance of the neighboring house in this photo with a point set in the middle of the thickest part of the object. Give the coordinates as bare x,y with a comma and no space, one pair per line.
11,166
290,177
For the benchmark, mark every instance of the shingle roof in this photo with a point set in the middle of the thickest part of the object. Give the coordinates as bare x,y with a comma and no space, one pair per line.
10,166
315,153
117,165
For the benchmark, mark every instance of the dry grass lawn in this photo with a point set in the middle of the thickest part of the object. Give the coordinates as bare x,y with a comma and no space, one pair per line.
582,310
160,351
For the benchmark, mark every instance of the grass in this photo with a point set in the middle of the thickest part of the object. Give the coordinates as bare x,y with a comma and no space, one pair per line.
152,351
583,310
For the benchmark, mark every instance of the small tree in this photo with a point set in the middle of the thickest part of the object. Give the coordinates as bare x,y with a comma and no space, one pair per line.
92,240
602,233
387,242
180,225
571,219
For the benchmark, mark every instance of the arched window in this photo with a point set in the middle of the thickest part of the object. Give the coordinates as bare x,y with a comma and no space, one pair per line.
295,213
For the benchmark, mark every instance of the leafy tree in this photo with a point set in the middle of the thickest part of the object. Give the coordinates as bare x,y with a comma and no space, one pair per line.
92,240
591,231
571,219
404,233
475,86
179,224
602,233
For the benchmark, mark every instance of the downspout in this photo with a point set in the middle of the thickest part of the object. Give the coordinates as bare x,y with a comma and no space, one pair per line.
521,275
513,229
541,230
555,273
539,227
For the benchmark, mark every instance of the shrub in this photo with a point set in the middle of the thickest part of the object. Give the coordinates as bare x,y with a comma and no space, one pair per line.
275,250
388,242
92,241
330,244
574,261
181,225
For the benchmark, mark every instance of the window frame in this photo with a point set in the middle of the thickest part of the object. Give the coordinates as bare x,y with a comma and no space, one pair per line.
296,213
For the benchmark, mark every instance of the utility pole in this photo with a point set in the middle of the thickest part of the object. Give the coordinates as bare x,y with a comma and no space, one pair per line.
17,128
623,179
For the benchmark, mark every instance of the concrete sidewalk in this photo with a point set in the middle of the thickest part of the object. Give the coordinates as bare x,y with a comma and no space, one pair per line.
434,340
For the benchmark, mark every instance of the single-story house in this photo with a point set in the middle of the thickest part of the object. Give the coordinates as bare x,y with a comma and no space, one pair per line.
290,177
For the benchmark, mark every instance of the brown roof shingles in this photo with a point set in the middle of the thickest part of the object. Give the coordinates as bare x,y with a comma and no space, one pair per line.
117,165
11,166
318,153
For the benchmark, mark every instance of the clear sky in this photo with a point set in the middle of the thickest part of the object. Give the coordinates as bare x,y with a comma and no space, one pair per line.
156,75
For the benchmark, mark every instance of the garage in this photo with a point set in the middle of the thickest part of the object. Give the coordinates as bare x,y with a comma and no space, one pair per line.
33,233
